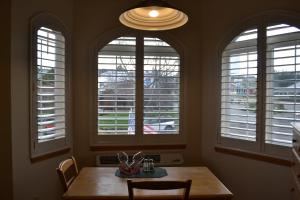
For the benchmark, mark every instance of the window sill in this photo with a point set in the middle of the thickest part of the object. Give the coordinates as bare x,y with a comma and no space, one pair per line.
255,156
51,154
136,147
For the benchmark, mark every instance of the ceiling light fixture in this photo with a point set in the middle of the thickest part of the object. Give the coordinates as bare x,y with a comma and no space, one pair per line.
153,15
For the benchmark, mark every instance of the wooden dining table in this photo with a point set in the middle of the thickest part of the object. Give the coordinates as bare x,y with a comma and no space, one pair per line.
102,183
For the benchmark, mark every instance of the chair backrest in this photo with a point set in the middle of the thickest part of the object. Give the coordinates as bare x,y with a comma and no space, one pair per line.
67,172
159,185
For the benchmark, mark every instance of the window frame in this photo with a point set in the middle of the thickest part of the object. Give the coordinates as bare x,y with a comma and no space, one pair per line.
50,147
138,139
259,146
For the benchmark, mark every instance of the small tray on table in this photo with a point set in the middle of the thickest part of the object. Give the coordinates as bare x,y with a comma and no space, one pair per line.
158,172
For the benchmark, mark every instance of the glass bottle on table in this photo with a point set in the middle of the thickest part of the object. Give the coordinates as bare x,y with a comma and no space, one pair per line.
151,165
146,165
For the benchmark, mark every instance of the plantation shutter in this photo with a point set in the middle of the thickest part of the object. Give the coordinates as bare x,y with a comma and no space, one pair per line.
161,88
239,87
283,83
116,87
51,85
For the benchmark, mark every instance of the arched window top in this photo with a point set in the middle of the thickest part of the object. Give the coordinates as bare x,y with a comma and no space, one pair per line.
49,21
123,41
246,36
281,29
51,34
152,44
272,29
157,47
149,41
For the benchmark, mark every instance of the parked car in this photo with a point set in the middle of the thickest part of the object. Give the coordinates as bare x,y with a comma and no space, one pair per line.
46,128
152,126
159,124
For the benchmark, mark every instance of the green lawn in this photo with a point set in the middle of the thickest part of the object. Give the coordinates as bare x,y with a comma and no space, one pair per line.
109,119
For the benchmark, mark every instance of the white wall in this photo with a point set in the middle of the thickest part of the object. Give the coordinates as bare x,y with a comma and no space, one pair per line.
31,180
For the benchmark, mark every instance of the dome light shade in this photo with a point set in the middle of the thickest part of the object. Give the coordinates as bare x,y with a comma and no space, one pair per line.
153,15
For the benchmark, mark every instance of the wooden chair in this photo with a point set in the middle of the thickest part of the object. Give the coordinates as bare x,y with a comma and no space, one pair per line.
67,172
159,185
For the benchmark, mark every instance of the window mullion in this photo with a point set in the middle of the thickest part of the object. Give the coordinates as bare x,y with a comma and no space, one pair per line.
261,86
139,85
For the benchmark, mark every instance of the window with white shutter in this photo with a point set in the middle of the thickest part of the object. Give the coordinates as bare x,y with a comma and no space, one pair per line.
49,81
260,89
239,86
138,92
283,83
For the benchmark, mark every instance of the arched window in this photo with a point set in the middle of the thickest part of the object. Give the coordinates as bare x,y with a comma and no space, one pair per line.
138,89
260,86
239,86
49,86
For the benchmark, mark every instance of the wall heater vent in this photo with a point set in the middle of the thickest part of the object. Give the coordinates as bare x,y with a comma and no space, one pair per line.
160,159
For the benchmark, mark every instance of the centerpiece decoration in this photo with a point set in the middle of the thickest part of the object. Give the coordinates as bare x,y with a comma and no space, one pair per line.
132,167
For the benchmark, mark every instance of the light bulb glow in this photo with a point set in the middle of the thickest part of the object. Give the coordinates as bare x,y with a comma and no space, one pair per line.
153,13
